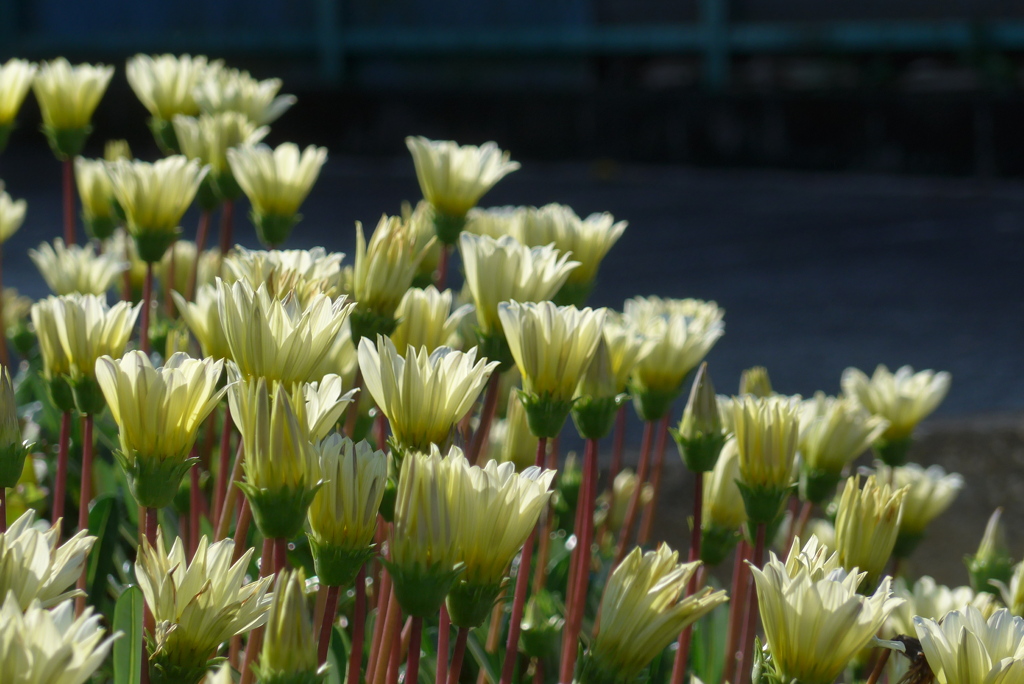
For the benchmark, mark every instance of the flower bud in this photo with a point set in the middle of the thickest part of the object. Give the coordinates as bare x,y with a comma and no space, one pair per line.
700,436
867,525
289,645
755,382
992,561
12,449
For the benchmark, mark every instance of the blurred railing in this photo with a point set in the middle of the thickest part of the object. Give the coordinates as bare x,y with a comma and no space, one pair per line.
712,37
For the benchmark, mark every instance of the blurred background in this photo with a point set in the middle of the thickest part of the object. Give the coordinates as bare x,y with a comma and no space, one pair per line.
842,177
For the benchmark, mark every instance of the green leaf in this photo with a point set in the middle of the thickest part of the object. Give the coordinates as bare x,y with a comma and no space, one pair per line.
487,662
128,649
104,520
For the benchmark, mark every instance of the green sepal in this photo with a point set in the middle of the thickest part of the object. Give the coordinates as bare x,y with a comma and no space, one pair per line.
152,245
716,543
906,543
225,185
763,504
893,452
494,347
273,229
66,143
816,485
592,671
983,571
22,337
653,405
61,394
594,417
573,294
545,415
700,453
422,589
207,196
337,566
448,227
542,624
154,481
470,604
12,464
88,396
567,489
163,671
164,134
5,134
99,227
369,324
279,513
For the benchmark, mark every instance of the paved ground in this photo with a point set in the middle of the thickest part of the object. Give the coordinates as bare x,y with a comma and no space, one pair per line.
816,272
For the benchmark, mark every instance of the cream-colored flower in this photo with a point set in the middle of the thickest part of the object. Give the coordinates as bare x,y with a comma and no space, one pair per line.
76,269
154,197
40,646
15,80
867,525
814,558
766,432
930,491
499,509
815,627
623,487
644,609
552,345
55,360
275,432
204,321
220,676
208,139
423,395
158,412
306,273
344,511
495,222
16,307
427,508
88,329
384,268
904,398
722,503
230,90
425,319
927,599
275,339
197,605
505,270
967,649
117,148
1012,594
122,244
453,178
68,95
12,214
324,403
587,239
627,347
276,181
183,255
835,431
34,568
681,333
94,189
290,646
165,83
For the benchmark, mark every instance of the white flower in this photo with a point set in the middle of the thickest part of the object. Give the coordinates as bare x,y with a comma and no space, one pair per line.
967,649
453,178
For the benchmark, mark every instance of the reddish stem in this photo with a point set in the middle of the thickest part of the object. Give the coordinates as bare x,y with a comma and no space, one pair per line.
355,658
227,222
683,652
568,635
460,651
168,279
634,500
280,556
879,666
486,417
230,496
750,629
395,654
441,276
444,624
204,228
69,202
383,597
223,465
388,640
522,582
380,430
147,302
540,577
193,508
647,523
737,600
578,594
256,636
412,665
242,529
330,612
61,481
801,524
83,501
